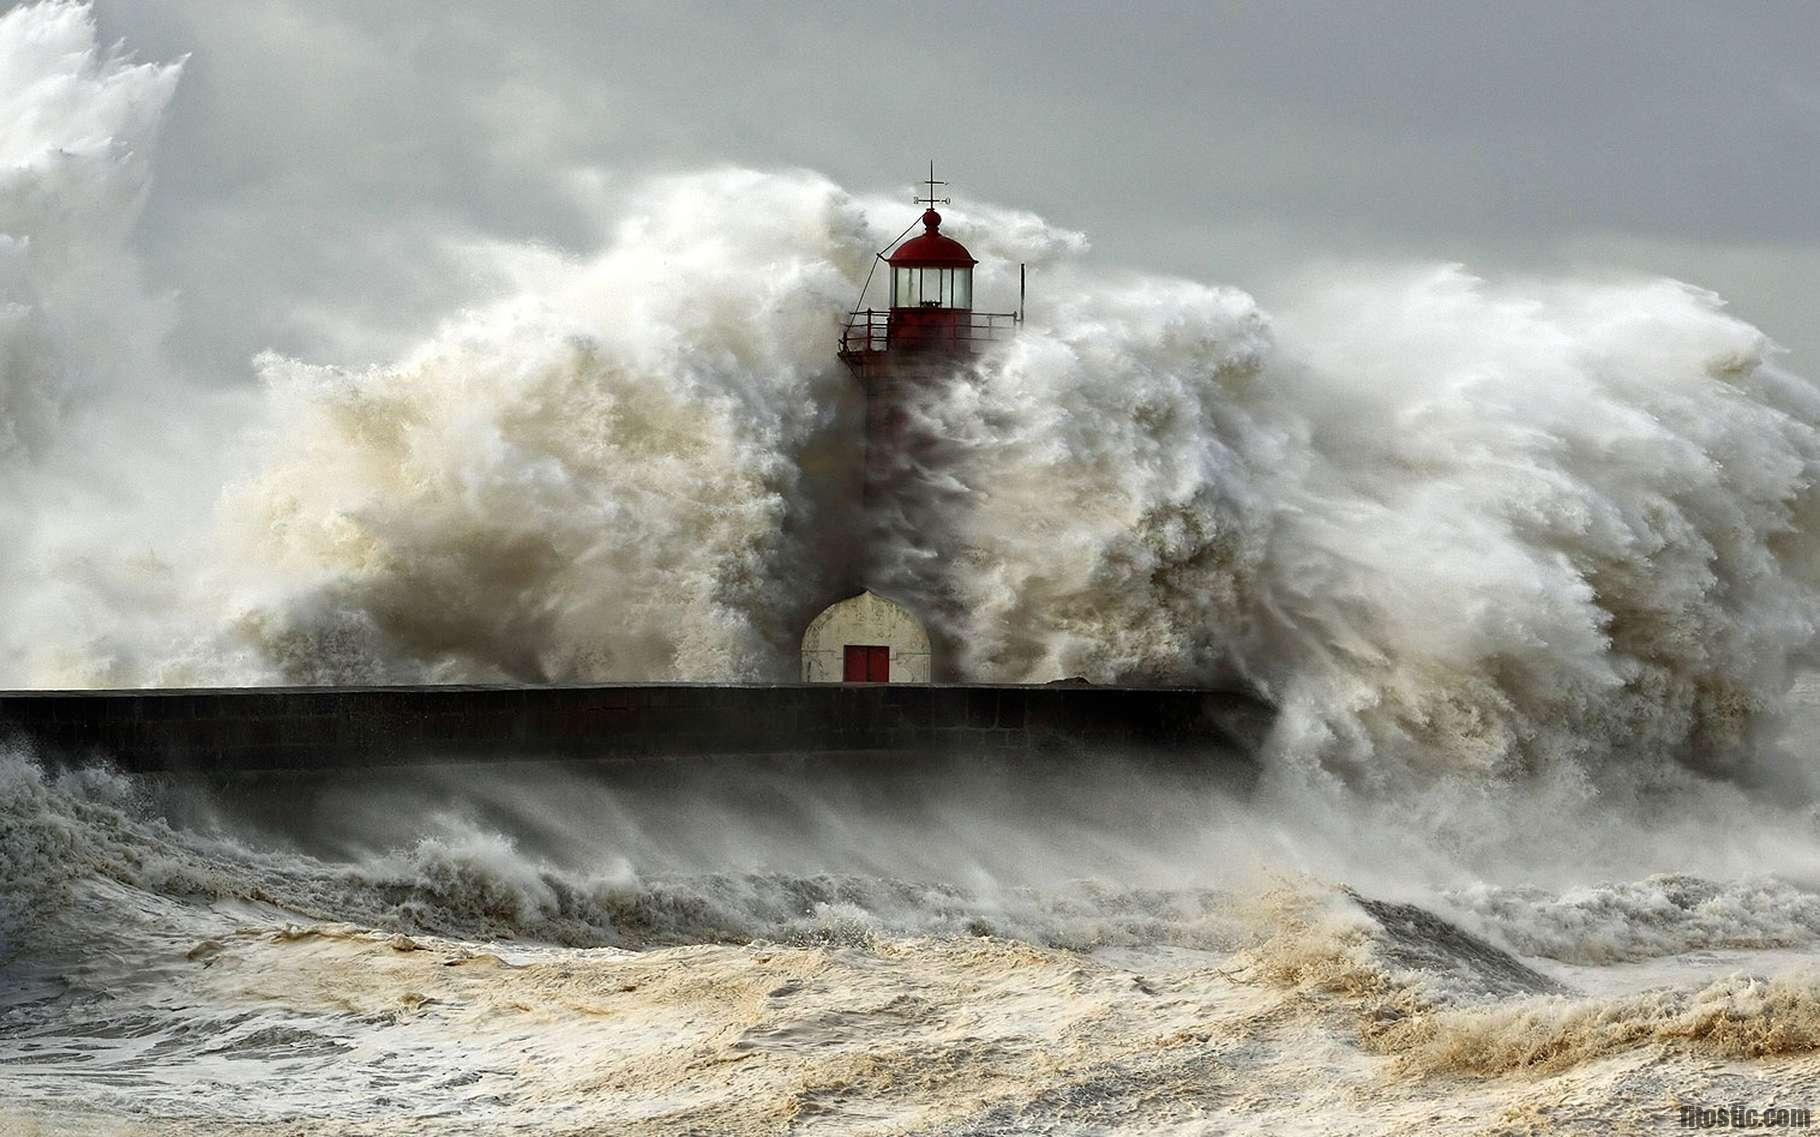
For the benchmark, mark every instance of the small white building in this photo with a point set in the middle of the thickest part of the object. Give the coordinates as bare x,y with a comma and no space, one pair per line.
866,639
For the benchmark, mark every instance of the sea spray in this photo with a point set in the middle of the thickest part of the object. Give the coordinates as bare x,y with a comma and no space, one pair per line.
1531,525
1449,525
110,461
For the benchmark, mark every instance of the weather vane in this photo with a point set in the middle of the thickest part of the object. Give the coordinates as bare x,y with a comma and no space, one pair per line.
932,201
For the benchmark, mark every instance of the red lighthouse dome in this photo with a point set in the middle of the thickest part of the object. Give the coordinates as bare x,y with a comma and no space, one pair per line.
931,247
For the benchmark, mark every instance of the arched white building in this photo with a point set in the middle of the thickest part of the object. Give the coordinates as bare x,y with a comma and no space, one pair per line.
866,639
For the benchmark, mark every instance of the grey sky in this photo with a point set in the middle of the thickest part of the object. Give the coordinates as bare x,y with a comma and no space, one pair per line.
322,156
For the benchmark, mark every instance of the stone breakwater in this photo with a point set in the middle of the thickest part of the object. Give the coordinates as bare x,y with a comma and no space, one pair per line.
230,730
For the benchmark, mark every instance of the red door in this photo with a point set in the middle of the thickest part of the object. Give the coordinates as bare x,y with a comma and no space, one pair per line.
866,663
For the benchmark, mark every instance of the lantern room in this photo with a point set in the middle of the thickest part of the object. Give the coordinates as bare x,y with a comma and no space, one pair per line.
931,292
932,270
930,315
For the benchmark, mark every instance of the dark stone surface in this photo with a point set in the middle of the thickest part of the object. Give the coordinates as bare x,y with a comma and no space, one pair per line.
231,730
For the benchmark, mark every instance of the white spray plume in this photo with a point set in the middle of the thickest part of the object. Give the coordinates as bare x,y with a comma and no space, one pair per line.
91,421
1459,524
1444,523
601,478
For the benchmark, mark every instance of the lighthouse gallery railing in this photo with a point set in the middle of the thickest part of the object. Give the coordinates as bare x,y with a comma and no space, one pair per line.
869,330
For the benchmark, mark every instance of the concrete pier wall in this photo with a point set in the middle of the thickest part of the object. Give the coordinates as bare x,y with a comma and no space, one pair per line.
258,729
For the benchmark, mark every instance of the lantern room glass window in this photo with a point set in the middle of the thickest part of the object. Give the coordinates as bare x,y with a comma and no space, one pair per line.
931,287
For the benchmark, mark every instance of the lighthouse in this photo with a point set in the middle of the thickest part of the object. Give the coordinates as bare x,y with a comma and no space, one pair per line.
928,334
